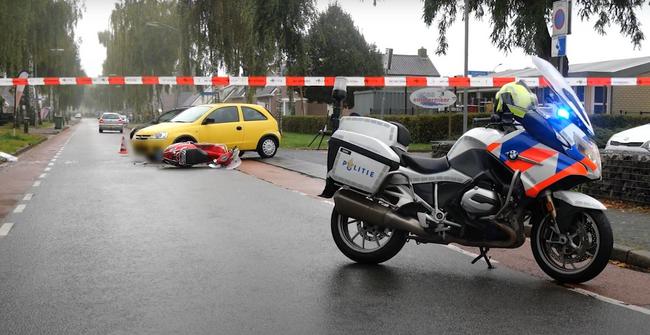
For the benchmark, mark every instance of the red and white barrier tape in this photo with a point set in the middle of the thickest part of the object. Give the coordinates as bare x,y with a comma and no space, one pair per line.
323,81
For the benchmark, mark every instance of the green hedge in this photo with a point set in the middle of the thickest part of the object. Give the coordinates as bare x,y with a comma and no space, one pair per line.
607,125
423,128
426,128
303,124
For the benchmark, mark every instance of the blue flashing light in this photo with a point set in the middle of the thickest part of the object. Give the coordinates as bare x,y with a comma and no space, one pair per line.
563,113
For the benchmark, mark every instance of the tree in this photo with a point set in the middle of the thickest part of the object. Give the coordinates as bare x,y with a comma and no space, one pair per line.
246,37
335,47
38,36
523,23
143,38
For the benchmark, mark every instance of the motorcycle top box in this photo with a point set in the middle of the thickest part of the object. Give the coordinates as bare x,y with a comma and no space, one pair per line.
361,152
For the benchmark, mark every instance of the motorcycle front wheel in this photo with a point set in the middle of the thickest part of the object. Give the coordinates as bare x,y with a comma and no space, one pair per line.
366,243
577,254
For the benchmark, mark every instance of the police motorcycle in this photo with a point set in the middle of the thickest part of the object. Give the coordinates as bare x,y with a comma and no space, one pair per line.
518,167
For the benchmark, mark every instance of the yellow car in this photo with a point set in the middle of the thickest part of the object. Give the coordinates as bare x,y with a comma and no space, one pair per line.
246,126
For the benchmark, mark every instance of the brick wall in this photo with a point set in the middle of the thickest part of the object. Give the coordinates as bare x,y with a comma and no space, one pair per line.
631,99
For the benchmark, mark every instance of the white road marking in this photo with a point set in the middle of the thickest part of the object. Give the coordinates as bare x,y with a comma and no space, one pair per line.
53,160
28,196
50,164
610,300
43,175
5,228
37,183
47,169
20,208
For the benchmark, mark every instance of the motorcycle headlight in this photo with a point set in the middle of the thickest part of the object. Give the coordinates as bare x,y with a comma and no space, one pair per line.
160,136
590,150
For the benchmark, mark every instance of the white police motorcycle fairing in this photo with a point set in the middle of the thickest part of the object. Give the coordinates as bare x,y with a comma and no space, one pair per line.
493,180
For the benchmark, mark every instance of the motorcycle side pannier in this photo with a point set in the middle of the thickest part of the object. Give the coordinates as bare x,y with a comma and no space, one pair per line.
360,153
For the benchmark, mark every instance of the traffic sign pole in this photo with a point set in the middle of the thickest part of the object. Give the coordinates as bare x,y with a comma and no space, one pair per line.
561,28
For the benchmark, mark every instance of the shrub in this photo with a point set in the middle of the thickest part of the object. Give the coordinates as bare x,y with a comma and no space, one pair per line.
423,128
303,124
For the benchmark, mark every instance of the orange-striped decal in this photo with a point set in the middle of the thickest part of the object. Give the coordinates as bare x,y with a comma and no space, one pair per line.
575,169
493,146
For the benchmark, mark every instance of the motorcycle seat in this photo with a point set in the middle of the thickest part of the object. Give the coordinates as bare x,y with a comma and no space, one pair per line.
425,165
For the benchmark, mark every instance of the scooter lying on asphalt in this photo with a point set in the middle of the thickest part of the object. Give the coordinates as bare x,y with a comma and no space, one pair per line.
188,154
519,167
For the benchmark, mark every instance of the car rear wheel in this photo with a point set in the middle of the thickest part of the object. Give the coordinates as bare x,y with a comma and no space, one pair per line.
267,147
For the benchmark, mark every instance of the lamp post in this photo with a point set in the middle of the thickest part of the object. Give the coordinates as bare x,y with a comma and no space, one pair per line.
466,72
58,124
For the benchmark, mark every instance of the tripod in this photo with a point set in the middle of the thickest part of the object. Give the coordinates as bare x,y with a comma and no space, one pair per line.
322,133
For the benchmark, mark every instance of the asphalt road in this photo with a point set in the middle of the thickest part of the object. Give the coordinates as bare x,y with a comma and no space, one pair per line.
108,247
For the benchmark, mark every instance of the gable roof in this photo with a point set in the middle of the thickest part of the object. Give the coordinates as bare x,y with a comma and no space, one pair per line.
629,67
411,65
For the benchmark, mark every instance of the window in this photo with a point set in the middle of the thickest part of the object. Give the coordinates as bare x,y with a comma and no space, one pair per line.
165,117
191,114
580,92
252,115
110,116
600,99
225,115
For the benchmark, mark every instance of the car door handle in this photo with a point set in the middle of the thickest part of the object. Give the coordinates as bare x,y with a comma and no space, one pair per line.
238,128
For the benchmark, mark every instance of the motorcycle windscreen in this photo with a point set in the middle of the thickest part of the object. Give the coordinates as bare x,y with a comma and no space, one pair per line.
570,106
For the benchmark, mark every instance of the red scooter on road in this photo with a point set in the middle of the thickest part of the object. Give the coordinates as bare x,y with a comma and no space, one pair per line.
188,154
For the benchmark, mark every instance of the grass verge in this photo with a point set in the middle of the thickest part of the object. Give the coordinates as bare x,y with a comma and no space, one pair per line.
10,143
301,141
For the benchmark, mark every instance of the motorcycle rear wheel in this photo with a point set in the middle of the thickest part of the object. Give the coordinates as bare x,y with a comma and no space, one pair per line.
367,244
577,255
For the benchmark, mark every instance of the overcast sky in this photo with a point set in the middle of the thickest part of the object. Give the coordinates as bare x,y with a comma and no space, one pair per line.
398,24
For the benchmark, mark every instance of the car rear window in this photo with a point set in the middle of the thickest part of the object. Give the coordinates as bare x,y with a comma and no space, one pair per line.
251,114
110,116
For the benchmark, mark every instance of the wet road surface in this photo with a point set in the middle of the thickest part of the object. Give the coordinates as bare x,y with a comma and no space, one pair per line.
105,246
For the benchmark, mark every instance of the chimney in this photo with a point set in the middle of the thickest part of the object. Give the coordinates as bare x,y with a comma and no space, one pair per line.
422,52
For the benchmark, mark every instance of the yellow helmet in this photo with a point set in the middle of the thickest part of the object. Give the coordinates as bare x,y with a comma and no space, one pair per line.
517,97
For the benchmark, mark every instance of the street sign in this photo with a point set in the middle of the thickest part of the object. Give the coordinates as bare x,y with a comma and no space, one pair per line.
478,73
433,98
561,18
558,46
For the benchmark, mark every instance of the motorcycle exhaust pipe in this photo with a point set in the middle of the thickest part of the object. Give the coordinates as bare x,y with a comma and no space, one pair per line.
356,206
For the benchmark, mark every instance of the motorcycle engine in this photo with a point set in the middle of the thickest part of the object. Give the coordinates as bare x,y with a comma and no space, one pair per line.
480,201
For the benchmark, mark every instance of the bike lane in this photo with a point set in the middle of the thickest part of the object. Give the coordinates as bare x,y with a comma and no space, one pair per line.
17,177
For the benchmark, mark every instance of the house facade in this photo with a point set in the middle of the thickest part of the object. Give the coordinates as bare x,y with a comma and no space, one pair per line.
395,100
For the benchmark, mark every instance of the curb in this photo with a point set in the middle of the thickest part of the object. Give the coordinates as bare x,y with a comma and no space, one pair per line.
45,138
621,253
30,146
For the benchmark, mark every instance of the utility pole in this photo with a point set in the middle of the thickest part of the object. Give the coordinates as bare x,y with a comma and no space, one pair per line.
466,72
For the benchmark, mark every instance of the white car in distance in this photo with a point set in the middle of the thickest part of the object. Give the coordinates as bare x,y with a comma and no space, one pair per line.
635,139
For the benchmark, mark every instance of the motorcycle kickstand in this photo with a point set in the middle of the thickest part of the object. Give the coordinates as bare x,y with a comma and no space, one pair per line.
483,254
